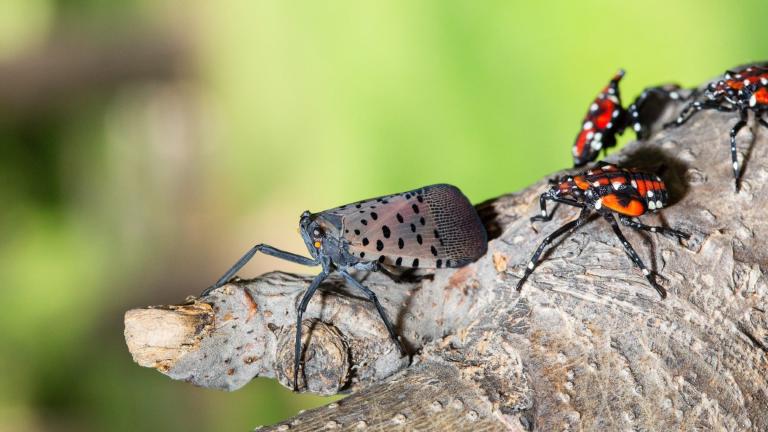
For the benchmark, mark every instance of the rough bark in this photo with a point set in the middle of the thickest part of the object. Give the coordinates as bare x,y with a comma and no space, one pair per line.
587,344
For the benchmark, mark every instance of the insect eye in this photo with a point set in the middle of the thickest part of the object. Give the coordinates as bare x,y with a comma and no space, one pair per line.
317,233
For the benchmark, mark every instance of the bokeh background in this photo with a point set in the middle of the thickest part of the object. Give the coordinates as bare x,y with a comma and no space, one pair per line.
145,144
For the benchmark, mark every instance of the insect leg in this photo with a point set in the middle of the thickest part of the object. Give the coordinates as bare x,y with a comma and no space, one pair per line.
656,229
734,156
547,240
633,255
686,114
544,216
265,249
697,106
299,316
382,313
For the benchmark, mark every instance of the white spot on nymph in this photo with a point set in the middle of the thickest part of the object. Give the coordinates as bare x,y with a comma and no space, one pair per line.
544,213
590,134
587,125
653,229
615,113
598,203
616,185
596,144
590,172
634,184
753,100
746,82
575,151
636,127
650,194
674,95
735,166
651,205
609,125
646,272
530,265
595,183
659,204
764,81
593,107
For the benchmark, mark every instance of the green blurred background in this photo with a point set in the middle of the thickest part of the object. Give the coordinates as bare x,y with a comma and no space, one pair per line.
144,145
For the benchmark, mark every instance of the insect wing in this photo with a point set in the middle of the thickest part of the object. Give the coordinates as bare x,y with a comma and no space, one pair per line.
432,227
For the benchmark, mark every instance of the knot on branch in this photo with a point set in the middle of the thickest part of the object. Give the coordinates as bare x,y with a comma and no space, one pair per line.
326,365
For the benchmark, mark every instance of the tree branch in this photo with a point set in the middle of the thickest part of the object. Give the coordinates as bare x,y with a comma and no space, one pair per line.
587,344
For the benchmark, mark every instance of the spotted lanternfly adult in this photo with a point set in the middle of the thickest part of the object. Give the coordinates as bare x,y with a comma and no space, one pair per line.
739,91
431,227
607,190
607,118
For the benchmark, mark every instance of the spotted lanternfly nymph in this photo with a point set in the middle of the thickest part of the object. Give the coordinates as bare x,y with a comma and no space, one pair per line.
739,91
607,190
431,227
607,118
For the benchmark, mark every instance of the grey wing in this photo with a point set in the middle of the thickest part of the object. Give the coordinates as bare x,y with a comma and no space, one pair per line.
431,227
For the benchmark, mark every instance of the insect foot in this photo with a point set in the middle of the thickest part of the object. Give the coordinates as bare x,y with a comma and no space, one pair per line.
325,368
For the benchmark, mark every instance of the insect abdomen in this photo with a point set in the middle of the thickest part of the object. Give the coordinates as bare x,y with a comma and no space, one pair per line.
651,189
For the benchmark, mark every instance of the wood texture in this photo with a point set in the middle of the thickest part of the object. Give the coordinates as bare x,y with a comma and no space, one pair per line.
587,344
